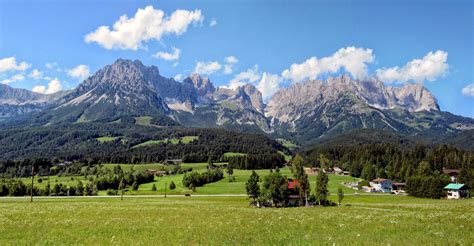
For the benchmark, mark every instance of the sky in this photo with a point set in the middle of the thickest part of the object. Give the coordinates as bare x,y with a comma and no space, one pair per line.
46,46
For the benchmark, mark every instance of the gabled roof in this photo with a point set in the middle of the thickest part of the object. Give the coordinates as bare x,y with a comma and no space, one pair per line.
451,171
453,186
293,183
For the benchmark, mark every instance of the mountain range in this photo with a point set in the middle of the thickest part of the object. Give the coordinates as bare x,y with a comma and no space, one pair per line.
304,113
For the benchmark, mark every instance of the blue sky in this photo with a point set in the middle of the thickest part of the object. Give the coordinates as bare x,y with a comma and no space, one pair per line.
271,44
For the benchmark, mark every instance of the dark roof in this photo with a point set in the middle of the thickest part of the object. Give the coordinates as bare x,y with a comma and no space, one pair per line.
451,171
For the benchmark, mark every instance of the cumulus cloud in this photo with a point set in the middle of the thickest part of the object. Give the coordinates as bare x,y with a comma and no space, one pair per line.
178,77
50,65
53,86
250,76
169,56
351,59
229,66
266,83
80,72
213,22
36,74
9,64
468,90
207,67
429,68
269,84
147,24
14,78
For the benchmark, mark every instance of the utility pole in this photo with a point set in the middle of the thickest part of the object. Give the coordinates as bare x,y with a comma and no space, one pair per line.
32,182
165,189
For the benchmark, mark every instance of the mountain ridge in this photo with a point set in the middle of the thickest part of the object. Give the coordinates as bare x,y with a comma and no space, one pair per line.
303,112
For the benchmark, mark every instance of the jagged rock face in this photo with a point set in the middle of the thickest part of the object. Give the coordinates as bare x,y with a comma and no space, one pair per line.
16,102
314,109
123,88
301,112
291,103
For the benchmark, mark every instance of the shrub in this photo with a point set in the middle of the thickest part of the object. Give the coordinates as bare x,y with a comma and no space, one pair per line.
111,192
172,185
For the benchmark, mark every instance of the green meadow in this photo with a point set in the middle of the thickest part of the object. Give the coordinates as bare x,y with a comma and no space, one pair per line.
224,186
184,140
204,218
369,220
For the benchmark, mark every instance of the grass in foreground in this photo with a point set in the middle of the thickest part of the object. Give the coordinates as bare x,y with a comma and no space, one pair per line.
370,220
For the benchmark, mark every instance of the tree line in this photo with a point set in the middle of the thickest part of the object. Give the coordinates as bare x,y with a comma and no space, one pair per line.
79,142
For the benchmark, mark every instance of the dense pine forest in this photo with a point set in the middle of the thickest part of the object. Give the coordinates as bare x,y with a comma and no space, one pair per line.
127,143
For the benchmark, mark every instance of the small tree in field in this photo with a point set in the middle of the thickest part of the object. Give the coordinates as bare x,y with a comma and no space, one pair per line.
302,176
340,195
275,188
321,188
172,185
135,185
252,186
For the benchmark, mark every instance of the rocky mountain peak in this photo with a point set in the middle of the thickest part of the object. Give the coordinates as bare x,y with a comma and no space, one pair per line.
203,85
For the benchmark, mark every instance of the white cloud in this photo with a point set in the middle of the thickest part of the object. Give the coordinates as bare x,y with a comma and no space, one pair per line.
269,85
429,68
178,77
36,74
229,66
207,67
351,59
213,22
53,86
80,72
9,64
147,24
250,76
169,56
50,65
14,78
468,90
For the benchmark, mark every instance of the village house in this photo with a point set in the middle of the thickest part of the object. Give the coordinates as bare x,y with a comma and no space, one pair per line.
399,187
293,193
382,185
457,191
452,173
156,172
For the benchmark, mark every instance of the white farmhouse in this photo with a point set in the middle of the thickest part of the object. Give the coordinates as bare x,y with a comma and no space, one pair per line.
382,185
457,191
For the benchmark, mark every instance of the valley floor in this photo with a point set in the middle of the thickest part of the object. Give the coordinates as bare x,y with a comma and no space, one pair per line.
369,220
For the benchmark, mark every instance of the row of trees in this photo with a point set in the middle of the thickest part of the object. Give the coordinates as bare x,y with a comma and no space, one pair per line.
18,188
391,161
104,179
427,186
257,161
79,142
196,179
274,190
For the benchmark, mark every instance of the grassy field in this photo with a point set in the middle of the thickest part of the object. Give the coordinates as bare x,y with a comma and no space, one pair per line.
221,187
106,139
184,140
370,220
232,154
